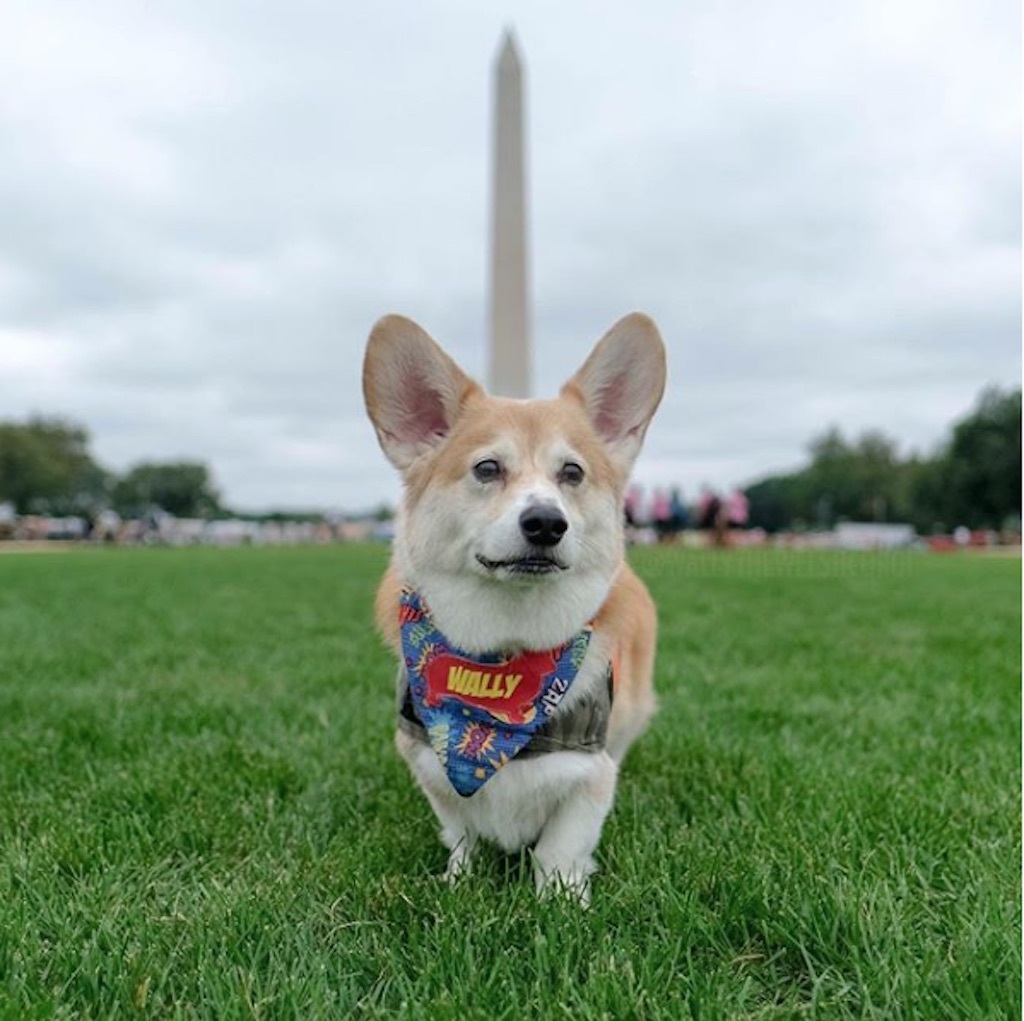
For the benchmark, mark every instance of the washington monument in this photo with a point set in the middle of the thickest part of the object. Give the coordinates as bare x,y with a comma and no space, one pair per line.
510,353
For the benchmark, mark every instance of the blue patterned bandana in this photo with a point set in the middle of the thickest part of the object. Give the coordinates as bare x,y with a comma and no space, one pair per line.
480,711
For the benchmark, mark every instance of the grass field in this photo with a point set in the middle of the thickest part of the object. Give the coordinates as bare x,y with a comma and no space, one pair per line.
201,815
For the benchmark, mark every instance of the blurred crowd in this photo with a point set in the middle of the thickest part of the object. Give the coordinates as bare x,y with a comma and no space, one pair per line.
158,528
663,515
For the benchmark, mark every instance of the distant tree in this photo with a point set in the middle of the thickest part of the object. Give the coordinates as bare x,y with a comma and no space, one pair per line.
774,502
931,512
981,468
974,480
45,467
832,485
183,489
881,482
862,481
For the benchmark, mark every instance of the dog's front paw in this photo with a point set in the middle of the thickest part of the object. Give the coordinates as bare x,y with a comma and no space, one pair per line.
572,881
459,862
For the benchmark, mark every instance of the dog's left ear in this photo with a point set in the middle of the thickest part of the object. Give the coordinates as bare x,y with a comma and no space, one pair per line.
621,384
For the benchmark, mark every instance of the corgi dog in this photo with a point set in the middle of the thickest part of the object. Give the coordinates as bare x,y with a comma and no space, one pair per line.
525,641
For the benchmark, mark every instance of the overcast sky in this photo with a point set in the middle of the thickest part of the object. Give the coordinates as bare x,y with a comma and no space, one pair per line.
204,206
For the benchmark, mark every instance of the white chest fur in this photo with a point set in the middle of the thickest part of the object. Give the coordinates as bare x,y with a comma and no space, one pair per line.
512,809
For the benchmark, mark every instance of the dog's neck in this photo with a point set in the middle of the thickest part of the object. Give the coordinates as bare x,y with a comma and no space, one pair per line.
484,616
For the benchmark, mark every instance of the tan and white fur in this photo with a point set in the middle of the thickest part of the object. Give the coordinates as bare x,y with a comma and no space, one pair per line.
462,544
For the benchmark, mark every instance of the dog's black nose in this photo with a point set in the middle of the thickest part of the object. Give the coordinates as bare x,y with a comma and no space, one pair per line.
543,525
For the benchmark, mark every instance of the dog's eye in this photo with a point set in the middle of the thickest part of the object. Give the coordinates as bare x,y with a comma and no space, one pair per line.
487,470
571,474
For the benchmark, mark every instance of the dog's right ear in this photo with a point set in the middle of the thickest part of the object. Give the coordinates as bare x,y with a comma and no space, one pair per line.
413,390
621,384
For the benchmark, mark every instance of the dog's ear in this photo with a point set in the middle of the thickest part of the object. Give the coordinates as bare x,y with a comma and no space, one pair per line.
413,390
621,384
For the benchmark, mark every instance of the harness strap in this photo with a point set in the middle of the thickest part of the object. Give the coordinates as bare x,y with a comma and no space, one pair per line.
583,729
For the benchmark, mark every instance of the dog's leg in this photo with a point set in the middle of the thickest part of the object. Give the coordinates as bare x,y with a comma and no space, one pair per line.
456,835
628,729
460,857
562,858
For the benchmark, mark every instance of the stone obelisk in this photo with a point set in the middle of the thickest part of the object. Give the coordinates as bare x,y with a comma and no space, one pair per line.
510,286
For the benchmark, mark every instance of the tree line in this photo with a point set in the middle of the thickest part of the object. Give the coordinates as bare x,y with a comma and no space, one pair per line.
46,468
972,480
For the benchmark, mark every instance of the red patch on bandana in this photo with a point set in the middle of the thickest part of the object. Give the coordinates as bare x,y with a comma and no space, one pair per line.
508,691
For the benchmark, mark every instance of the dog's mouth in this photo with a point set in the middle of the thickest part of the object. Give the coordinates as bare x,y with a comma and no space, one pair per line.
536,564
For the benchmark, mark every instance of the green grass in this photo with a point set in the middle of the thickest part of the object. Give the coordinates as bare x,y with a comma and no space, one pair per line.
201,815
